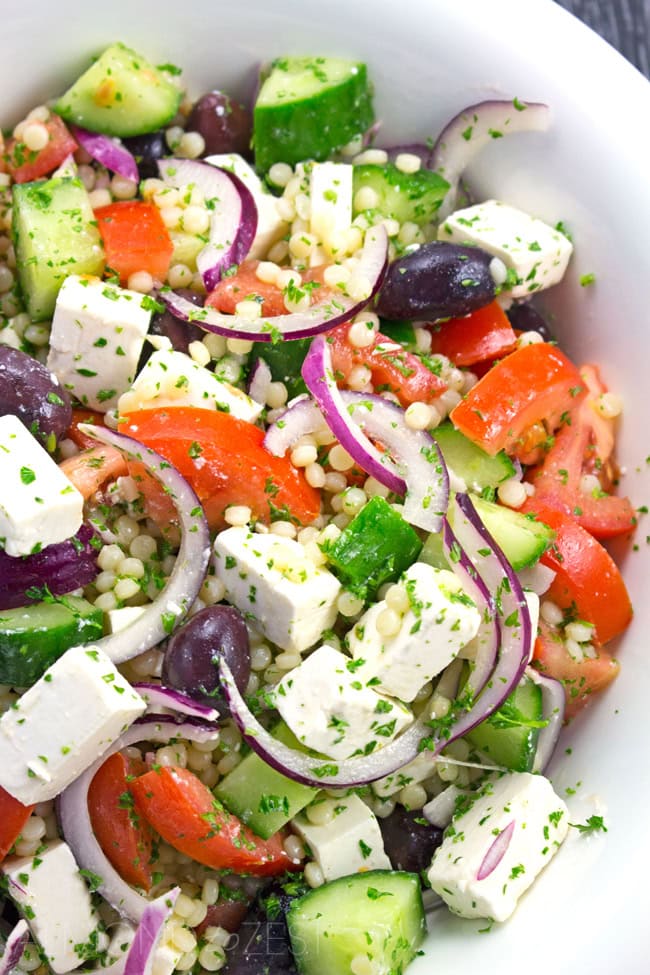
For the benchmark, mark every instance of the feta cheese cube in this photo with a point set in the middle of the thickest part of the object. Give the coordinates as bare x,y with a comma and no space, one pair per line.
507,834
38,504
439,622
97,335
63,723
50,892
270,225
422,767
330,188
350,843
173,379
272,582
536,252
330,710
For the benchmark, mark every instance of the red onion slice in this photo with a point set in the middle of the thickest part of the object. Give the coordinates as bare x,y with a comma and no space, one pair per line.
301,418
475,127
496,853
553,708
158,696
168,609
259,381
107,151
233,220
322,316
439,811
14,946
74,818
488,637
140,958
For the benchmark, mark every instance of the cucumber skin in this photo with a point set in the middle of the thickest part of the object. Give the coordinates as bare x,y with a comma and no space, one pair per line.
26,653
120,67
311,128
354,906
414,197
522,540
477,468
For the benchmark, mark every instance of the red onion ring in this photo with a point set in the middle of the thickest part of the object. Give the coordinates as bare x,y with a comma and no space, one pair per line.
319,318
158,696
14,947
301,418
259,380
553,708
140,958
496,852
168,609
107,151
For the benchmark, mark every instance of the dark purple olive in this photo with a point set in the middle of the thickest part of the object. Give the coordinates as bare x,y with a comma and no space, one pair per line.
526,318
262,941
409,840
226,126
438,280
191,662
32,393
148,149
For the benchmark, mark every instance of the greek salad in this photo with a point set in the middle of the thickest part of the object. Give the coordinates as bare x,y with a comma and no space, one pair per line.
302,510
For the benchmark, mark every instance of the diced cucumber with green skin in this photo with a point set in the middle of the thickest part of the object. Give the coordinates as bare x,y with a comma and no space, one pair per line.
432,552
308,107
509,736
376,547
285,360
120,94
377,915
261,797
55,234
402,332
413,197
33,637
522,539
468,461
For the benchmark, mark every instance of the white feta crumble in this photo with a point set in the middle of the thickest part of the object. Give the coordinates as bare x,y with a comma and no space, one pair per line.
350,843
98,331
330,190
330,710
527,821
38,504
533,251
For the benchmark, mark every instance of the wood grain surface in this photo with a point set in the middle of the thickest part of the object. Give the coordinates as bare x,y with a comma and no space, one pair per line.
625,24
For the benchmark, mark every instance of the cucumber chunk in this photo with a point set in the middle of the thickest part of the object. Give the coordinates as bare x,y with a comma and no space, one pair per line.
509,736
468,461
55,234
400,331
33,637
261,797
414,197
377,915
522,540
308,107
120,94
284,359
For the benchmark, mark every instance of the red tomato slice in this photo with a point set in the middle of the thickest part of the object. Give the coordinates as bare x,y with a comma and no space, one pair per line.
391,366
537,382
190,819
26,164
587,580
135,239
482,335
581,678
125,839
82,440
244,283
89,469
13,816
224,461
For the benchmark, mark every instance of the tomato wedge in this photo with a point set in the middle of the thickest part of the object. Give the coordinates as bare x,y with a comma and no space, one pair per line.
587,580
482,335
83,440
13,816
26,164
581,678
536,382
123,836
225,462
186,814
135,239
391,366
244,283
89,469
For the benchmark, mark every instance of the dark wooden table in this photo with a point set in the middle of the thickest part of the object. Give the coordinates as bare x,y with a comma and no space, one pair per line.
624,23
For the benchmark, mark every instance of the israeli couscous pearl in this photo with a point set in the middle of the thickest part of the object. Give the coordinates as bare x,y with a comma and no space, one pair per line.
140,281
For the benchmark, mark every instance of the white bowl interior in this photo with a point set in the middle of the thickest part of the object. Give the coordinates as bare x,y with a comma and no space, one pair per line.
429,58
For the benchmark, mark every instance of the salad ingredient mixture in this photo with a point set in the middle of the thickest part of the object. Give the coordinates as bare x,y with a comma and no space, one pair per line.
301,522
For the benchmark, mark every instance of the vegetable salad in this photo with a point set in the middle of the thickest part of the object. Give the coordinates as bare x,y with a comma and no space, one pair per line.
301,522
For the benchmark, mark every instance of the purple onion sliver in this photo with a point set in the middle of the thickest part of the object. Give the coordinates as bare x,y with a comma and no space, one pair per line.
107,151
61,567
140,958
182,587
496,853
167,697
14,947
553,708
259,380
300,419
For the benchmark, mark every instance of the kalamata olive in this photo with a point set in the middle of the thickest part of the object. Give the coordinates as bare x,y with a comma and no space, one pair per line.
526,318
148,149
191,662
226,126
227,914
32,393
438,280
409,840
262,941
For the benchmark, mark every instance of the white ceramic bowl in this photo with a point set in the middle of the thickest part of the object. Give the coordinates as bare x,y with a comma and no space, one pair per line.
589,912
